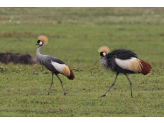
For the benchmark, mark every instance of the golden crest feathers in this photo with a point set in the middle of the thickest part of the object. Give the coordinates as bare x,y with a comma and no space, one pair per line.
43,39
103,49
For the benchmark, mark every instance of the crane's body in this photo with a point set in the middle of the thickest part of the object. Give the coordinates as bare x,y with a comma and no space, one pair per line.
122,61
55,65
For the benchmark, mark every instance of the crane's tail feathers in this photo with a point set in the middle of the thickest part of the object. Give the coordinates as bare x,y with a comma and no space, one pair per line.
72,76
145,67
68,72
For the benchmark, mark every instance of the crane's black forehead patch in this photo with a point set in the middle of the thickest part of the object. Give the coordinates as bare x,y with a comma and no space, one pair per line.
38,41
101,53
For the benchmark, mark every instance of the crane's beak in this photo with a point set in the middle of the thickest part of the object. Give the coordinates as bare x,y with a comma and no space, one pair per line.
37,44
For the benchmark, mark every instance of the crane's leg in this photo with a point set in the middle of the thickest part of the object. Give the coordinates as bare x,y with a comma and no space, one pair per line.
110,86
51,84
130,84
61,84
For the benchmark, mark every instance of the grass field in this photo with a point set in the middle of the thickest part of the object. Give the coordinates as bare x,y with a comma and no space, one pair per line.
75,34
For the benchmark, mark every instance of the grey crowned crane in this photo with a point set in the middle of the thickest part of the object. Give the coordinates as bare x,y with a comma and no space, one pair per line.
122,61
55,65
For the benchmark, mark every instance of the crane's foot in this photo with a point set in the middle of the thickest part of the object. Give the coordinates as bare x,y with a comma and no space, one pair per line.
103,95
65,94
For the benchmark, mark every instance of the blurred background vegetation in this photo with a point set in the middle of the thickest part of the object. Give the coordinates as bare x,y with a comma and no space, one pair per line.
83,15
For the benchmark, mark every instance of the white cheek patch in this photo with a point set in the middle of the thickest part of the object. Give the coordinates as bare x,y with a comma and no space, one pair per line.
104,54
40,43
58,67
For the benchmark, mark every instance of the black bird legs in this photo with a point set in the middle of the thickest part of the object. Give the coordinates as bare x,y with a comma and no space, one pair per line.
114,84
110,86
60,82
51,84
130,84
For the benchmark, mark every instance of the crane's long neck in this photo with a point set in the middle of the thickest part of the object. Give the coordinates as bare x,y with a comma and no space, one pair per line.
38,51
39,56
103,62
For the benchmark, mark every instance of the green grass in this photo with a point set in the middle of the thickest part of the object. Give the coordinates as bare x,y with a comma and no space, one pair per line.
75,34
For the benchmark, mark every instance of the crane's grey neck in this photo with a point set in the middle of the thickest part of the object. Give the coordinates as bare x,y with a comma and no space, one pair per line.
38,51
39,56
104,62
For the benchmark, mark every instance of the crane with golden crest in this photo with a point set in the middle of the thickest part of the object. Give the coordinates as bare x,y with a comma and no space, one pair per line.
122,61
53,64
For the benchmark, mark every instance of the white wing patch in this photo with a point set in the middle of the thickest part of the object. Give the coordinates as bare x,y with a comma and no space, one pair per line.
61,68
132,64
58,67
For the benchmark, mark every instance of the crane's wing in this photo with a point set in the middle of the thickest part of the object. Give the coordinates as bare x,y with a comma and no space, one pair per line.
126,59
47,61
57,66
120,60
132,64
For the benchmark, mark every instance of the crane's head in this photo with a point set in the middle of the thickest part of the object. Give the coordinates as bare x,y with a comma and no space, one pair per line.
42,39
103,51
